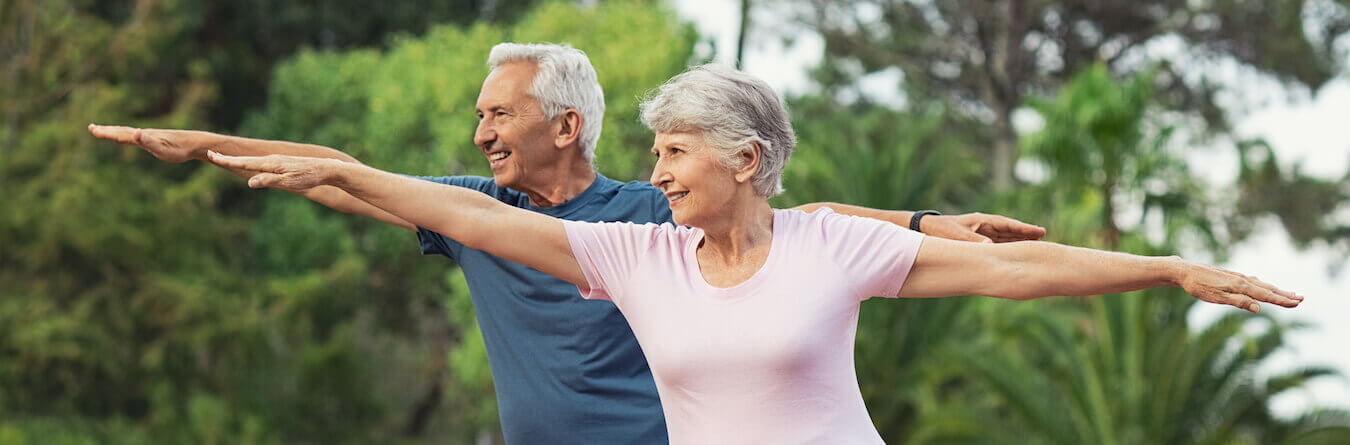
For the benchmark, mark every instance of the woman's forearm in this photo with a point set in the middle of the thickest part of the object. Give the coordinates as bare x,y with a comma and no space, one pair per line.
1042,269
1033,269
474,219
456,212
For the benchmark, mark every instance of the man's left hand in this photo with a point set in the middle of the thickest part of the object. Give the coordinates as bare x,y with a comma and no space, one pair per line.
980,228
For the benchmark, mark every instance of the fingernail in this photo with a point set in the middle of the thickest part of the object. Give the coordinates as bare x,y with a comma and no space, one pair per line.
1255,308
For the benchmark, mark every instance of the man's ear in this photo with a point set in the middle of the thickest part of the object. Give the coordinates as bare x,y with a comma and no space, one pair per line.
750,158
568,128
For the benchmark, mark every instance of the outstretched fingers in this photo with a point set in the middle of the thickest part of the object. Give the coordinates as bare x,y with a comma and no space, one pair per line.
1252,288
116,133
1281,292
254,163
1241,301
1003,229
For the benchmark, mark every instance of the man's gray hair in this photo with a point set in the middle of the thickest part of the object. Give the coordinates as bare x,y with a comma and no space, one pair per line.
731,110
565,80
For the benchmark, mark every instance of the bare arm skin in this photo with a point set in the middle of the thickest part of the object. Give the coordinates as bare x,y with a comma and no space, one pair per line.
974,227
472,218
185,145
1034,269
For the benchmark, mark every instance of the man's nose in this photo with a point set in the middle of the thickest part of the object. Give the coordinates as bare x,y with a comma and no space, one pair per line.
484,134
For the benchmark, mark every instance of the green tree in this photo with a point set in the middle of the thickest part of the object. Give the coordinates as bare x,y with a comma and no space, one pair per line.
1122,368
987,56
145,302
410,110
1137,375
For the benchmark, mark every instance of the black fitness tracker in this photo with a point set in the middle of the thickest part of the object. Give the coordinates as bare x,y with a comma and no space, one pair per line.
914,220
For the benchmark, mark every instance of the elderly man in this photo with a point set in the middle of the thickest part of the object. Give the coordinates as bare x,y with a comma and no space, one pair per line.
565,370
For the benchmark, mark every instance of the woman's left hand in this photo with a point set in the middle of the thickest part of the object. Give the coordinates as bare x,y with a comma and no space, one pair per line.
290,173
1221,286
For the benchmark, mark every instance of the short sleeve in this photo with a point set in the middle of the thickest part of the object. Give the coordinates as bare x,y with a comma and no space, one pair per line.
876,255
608,253
433,243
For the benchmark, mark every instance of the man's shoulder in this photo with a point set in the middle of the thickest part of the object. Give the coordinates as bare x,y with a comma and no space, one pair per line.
633,201
640,190
474,182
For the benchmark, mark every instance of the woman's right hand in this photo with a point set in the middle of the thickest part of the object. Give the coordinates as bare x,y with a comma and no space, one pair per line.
1221,286
289,173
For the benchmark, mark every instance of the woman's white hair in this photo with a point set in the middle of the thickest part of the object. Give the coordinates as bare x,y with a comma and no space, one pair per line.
565,80
731,110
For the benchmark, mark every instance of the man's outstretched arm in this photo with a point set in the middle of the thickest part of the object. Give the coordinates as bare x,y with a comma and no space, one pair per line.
975,227
185,145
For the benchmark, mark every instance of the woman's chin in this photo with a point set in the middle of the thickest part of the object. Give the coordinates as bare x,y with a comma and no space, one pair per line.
683,219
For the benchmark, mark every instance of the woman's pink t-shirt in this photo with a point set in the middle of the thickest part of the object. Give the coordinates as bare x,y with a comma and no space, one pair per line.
769,360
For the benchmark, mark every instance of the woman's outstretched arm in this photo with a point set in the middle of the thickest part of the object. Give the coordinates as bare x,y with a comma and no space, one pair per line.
469,217
1034,269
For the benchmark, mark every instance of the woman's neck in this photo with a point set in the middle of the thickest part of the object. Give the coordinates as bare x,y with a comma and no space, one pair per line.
744,230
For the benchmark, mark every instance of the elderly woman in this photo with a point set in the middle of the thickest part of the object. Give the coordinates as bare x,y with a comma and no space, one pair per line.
747,314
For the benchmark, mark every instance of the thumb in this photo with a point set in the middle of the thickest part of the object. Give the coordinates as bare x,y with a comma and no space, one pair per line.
262,180
969,236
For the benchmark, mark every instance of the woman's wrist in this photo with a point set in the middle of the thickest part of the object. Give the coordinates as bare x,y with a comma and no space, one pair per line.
1173,269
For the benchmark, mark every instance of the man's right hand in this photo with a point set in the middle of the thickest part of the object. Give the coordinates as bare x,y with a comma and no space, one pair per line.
168,145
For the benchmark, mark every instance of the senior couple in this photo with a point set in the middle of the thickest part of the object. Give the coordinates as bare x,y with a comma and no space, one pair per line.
746,314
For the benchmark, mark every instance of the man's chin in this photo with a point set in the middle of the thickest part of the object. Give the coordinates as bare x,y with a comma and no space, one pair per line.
504,180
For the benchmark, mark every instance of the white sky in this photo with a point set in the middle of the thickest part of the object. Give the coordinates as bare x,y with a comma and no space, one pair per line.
1308,131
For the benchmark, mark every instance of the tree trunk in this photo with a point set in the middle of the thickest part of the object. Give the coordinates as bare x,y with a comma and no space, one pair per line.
740,40
1005,150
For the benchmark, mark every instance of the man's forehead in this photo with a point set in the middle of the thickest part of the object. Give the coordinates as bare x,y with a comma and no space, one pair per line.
507,83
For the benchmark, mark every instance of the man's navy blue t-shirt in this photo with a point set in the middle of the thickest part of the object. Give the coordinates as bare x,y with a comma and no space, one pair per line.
566,369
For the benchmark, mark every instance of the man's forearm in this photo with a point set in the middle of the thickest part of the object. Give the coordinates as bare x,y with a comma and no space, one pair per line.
329,196
198,142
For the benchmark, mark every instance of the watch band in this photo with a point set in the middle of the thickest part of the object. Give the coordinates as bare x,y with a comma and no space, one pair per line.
914,220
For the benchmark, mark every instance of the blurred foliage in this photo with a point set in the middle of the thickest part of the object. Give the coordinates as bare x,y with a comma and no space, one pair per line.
1115,369
149,302
144,302
984,59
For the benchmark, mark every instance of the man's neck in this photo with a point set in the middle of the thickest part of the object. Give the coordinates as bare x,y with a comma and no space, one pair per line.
559,185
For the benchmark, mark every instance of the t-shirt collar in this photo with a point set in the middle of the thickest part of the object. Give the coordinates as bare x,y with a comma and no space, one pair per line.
573,204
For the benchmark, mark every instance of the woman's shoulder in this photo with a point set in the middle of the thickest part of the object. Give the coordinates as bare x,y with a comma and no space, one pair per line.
626,229
796,218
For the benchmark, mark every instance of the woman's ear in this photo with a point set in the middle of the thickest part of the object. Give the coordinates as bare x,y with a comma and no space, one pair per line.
750,158
568,128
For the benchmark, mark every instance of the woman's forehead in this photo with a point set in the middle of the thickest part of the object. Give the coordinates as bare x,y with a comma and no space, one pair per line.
666,139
